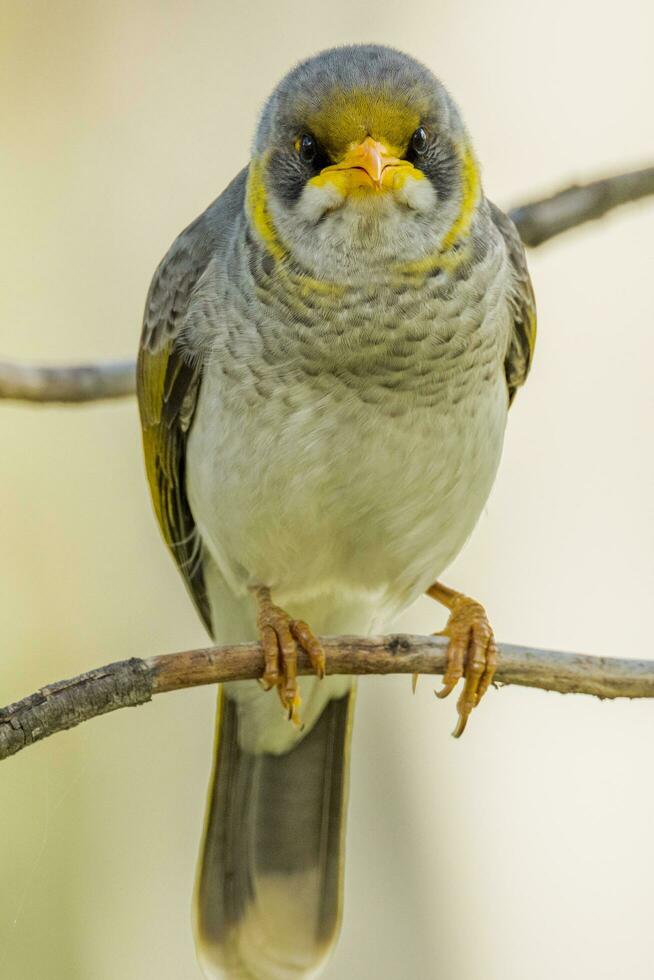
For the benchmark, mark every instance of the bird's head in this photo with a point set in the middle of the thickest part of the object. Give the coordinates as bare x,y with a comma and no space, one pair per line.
361,158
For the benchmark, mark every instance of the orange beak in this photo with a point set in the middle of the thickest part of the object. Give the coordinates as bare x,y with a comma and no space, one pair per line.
368,162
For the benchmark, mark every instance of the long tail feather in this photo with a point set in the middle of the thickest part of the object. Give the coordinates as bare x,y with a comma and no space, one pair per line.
268,896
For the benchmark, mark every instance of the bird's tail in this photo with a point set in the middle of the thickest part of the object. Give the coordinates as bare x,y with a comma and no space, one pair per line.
268,895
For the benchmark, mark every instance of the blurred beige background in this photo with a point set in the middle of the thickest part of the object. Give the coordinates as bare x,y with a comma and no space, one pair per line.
526,849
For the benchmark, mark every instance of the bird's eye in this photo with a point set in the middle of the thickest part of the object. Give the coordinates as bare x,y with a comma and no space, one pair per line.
419,142
307,148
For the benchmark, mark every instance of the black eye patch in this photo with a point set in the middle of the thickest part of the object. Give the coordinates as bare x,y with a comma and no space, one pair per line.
290,167
438,160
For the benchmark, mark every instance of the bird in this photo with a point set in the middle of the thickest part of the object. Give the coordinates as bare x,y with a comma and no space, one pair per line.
327,360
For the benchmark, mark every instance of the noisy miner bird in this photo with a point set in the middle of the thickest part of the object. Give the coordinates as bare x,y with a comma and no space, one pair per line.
328,356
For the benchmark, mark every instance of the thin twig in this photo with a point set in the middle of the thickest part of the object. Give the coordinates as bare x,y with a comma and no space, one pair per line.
537,222
68,383
541,220
129,683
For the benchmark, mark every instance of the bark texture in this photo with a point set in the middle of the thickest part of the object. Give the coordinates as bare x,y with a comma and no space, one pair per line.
131,682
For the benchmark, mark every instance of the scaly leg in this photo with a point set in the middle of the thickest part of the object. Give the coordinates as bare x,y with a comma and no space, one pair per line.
471,650
280,638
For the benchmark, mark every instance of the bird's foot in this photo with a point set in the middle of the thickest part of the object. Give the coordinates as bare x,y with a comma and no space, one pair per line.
471,651
281,636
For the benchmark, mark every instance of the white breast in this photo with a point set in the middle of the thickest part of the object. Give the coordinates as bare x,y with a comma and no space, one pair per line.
334,502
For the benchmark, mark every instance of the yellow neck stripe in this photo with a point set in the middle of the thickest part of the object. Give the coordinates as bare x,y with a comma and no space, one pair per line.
471,191
257,206
469,200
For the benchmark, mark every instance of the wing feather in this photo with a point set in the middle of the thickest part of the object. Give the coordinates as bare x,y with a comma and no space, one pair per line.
168,382
523,306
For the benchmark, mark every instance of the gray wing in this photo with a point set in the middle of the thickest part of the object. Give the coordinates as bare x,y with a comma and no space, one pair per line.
523,306
167,386
168,382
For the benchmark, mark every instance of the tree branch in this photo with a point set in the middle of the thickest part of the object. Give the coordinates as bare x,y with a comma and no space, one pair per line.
537,222
541,220
129,683
68,383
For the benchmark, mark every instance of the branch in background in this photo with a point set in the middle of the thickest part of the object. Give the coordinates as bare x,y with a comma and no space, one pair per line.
129,683
541,220
537,222
68,383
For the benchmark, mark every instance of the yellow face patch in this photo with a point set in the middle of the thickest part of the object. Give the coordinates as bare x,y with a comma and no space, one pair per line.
352,115
356,181
366,167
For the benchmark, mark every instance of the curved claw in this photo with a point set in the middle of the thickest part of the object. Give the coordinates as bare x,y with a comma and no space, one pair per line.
280,638
270,677
471,653
310,644
456,653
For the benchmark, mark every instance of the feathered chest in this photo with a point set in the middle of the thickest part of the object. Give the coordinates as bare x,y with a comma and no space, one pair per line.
349,437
